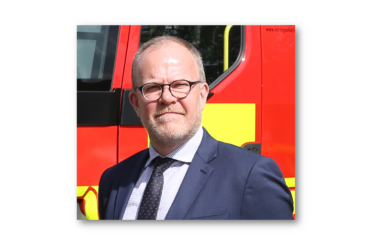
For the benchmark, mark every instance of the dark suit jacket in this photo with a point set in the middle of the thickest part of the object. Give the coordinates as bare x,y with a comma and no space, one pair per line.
222,182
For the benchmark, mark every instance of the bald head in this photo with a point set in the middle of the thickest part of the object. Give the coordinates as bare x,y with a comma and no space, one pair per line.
161,42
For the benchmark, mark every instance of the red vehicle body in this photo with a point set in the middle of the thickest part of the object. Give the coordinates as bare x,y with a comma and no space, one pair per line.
253,106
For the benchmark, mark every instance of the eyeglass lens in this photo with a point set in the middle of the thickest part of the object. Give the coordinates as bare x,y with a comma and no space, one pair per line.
179,89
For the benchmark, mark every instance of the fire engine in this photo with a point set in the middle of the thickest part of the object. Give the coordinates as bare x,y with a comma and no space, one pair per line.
251,104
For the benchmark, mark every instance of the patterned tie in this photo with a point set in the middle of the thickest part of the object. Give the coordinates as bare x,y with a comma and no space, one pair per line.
152,194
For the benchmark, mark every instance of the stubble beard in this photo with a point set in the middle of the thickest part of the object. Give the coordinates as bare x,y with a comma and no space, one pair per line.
166,132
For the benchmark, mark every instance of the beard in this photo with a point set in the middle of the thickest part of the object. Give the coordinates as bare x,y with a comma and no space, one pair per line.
171,130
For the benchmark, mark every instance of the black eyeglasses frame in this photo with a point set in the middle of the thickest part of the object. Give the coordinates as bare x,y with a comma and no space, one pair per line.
162,88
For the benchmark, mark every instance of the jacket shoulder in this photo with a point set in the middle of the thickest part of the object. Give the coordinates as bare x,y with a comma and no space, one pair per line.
265,194
111,179
232,151
134,159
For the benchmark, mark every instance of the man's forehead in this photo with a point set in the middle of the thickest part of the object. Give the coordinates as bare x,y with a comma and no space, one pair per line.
170,61
169,46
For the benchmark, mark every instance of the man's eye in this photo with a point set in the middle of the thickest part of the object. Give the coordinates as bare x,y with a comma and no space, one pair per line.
180,85
152,88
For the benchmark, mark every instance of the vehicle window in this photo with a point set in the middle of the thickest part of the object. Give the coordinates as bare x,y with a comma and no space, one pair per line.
207,39
96,48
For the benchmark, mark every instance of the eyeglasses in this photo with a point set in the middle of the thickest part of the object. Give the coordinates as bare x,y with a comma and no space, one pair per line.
179,89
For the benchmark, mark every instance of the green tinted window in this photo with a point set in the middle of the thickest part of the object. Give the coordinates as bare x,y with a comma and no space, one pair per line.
209,40
96,48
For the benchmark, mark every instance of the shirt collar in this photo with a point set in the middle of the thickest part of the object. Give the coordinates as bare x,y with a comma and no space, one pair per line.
184,153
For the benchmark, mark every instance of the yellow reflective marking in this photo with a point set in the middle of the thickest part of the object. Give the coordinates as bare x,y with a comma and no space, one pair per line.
91,206
96,187
81,190
231,123
290,182
91,201
226,47
293,195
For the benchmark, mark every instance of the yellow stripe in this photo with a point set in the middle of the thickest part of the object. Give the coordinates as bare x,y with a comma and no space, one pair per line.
231,123
290,182
81,190
293,195
91,206
91,201
96,187
226,48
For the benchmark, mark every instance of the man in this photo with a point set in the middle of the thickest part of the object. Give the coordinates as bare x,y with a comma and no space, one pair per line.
186,174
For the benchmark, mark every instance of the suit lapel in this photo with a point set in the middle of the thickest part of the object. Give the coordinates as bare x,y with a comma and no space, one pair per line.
198,173
128,180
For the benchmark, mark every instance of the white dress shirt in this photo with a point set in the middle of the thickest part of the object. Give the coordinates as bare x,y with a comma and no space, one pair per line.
173,177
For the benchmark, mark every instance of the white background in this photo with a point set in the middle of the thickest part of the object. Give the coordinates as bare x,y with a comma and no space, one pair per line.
38,121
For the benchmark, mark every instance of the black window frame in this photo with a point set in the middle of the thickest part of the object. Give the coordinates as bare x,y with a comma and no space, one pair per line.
235,64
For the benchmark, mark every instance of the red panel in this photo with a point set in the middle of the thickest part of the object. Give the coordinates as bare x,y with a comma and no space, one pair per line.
278,96
97,146
120,56
132,139
96,151
133,45
243,85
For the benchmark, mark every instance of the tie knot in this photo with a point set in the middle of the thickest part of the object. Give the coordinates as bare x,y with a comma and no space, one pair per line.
162,164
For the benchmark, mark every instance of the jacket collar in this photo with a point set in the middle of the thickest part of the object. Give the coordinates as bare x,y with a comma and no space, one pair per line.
195,178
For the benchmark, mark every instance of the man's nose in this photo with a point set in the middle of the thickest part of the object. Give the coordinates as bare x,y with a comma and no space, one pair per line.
166,96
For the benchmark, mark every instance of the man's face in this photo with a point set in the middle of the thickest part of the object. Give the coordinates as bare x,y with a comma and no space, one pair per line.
168,119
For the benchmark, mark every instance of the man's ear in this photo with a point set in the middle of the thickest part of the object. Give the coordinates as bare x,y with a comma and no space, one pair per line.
133,99
204,91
